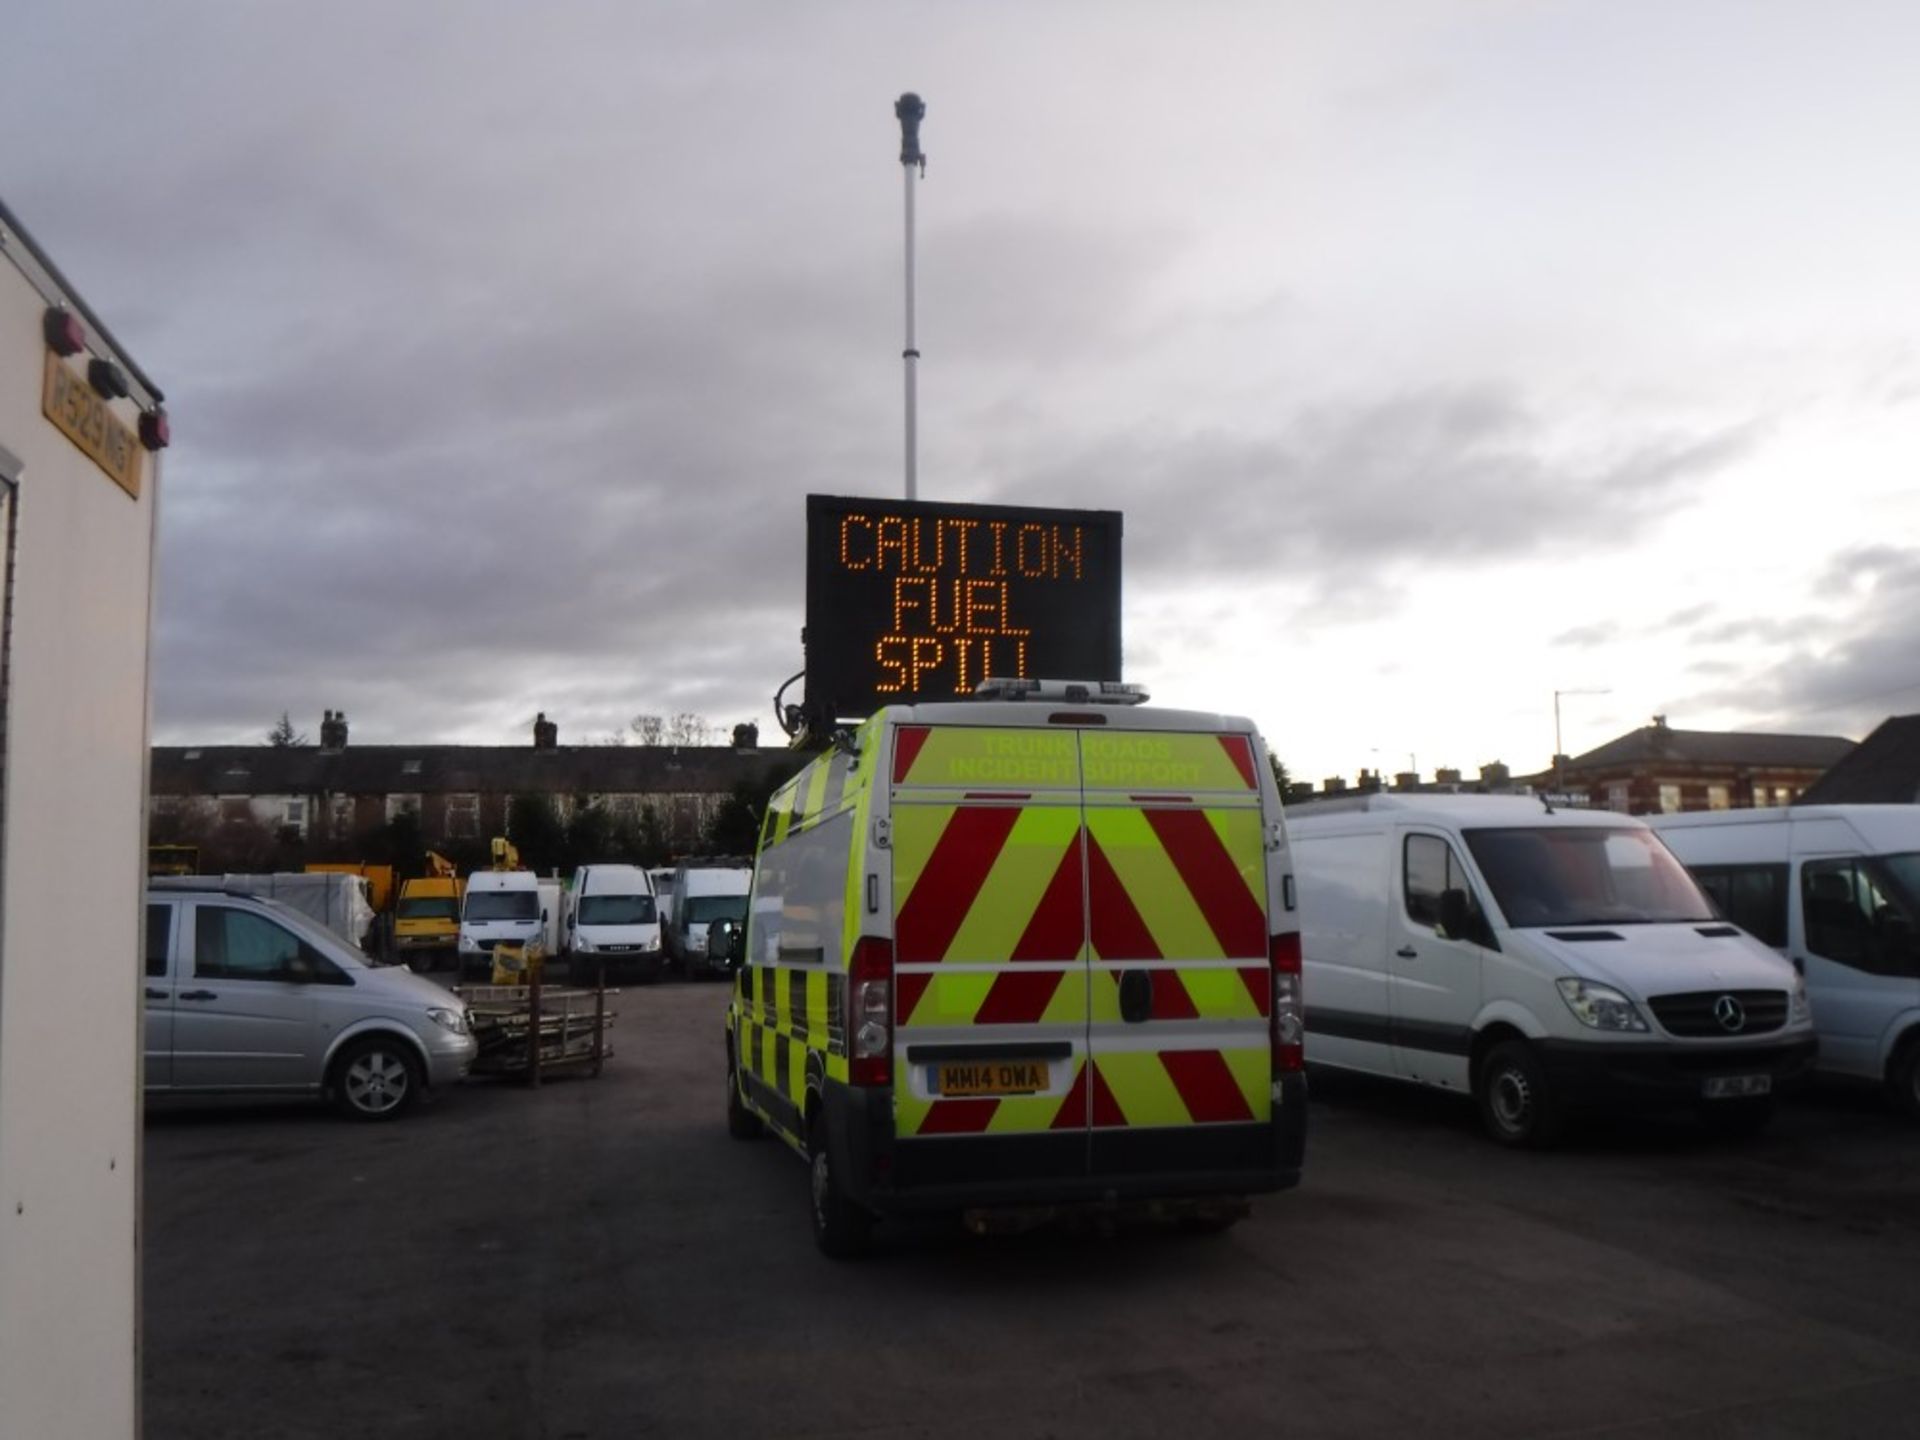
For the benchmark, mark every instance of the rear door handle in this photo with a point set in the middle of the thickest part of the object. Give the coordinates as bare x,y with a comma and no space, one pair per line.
153,994
1407,952
198,995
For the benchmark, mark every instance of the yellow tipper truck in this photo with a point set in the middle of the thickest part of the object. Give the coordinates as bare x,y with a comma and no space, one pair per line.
1025,954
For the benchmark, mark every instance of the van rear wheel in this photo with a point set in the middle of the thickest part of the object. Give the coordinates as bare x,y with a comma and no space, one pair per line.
1516,1105
841,1228
742,1123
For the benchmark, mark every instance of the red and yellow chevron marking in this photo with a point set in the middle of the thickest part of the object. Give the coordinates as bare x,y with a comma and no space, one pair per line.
1121,1089
1002,885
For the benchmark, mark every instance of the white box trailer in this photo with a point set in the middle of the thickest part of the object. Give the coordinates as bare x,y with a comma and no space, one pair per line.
339,902
80,428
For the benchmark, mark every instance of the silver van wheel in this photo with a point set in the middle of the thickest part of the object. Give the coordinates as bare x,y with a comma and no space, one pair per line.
376,1080
1516,1106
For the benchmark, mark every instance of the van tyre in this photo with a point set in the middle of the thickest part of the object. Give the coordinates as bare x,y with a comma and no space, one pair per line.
1516,1105
742,1123
377,1078
1903,1077
841,1228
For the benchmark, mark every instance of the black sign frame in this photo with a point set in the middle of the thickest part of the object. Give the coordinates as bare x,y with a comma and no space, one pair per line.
1001,590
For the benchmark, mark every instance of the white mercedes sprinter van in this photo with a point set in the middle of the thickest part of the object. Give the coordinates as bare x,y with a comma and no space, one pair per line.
502,907
1836,888
1542,961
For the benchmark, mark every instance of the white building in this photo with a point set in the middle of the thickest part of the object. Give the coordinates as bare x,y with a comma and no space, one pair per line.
80,428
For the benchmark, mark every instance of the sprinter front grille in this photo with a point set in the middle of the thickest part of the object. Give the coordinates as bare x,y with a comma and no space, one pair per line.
1703,1013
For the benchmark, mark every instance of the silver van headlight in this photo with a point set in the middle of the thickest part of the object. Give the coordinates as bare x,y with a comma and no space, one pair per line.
1797,1008
1600,1007
452,1020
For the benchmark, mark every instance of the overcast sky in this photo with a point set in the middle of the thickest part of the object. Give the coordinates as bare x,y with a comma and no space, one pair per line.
1440,356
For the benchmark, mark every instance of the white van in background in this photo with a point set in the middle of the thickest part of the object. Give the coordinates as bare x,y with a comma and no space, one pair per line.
612,921
502,907
702,894
1836,888
1541,961
662,878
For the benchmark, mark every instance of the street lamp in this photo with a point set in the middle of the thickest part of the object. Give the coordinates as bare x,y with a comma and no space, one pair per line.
1559,755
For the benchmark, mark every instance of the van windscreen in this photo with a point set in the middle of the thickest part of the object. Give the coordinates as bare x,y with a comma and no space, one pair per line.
502,905
616,910
1587,875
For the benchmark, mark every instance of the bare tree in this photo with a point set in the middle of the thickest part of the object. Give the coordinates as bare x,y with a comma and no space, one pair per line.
685,728
689,729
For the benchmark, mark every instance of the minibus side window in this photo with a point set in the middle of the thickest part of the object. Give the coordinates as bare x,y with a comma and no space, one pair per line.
1754,897
1854,920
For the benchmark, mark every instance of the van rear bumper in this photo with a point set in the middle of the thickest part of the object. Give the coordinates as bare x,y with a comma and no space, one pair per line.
1102,1168
1586,1075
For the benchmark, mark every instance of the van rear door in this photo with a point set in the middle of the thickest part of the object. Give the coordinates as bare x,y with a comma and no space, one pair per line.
990,945
1081,946
1180,987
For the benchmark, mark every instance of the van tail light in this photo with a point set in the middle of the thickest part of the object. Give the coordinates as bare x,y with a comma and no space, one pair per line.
870,1012
1289,1019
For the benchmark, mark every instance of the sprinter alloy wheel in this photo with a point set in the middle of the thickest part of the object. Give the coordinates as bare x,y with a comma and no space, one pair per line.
1515,1104
840,1228
376,1079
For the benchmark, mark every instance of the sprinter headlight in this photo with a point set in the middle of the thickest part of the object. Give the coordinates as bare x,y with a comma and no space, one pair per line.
1600,1006
1797,1002
453,1020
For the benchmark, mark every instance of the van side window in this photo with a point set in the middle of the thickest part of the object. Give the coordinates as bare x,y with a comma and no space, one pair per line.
239,945
1854,920
1754,897
159,932
1431,868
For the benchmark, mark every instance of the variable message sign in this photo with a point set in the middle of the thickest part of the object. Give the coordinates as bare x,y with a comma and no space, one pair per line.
920,601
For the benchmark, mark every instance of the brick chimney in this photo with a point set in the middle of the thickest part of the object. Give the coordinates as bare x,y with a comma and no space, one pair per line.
333,731
546,734
746,737
1334,785
1446,777
1495,776
1406,780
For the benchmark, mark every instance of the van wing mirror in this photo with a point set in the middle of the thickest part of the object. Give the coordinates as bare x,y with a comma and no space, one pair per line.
1456,917
722,938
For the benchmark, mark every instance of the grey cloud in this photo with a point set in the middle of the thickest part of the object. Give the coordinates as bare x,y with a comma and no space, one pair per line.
1766,629
1588,637
1448,476
1869,663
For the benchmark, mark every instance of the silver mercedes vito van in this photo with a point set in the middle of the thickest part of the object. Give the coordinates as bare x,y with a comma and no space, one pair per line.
247,997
